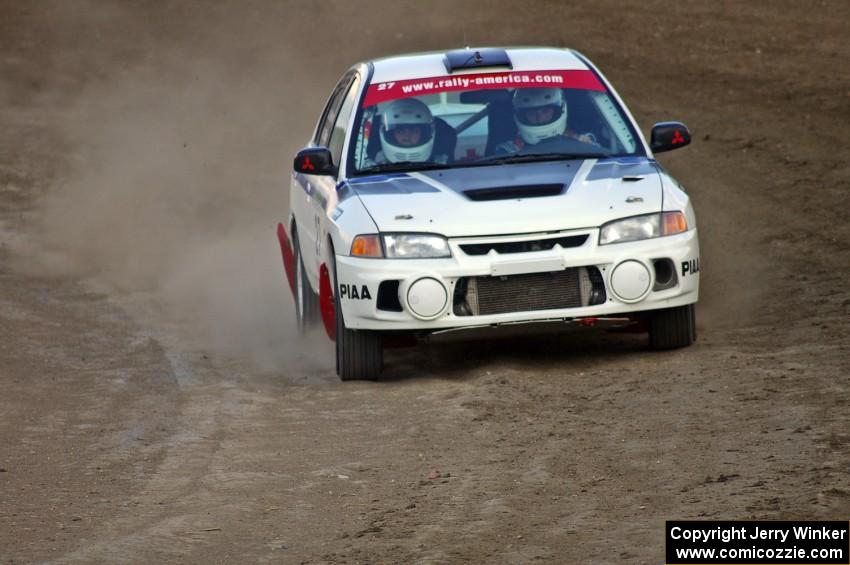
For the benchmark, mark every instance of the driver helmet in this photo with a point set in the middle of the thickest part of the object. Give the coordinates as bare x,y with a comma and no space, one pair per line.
407,131
539,113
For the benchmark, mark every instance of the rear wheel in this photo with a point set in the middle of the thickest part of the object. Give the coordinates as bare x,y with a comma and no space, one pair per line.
359,353
306,301
672,327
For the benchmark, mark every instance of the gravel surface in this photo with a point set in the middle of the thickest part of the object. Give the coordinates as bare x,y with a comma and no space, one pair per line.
155,405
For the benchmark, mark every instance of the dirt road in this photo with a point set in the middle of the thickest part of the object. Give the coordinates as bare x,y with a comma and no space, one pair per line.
156,407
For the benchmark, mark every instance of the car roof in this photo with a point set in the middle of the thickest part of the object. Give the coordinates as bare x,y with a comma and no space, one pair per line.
421,65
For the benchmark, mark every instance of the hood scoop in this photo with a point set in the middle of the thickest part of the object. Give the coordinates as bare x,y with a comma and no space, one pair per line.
514,192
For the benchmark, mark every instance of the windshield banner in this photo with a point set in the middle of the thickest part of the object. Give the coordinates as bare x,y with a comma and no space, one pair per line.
385,91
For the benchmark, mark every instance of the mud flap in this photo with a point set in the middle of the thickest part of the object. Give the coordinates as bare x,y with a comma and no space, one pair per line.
288,257
326,302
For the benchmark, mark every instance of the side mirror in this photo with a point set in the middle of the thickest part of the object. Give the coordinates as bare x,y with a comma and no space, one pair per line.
314,161
669,135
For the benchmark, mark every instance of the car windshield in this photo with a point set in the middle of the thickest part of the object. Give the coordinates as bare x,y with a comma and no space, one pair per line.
488,118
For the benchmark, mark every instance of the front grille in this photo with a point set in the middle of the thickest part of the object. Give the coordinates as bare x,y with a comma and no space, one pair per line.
570,288
523,246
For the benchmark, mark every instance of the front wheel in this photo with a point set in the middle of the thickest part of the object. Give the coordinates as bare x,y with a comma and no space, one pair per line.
359,353
672,327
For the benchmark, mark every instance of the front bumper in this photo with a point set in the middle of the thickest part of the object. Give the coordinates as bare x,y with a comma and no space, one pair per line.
359,281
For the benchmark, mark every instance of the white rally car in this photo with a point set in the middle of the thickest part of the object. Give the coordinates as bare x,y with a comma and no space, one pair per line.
485,187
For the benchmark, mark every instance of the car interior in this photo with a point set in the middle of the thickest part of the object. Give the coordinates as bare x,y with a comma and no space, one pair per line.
472,124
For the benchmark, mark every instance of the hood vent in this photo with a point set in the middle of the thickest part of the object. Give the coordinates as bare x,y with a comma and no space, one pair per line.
514,192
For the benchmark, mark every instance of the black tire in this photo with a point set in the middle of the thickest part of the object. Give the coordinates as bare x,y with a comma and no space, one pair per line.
672,327
306,301
359,353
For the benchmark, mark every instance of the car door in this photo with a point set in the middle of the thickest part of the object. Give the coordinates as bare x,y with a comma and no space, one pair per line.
323,188
305,186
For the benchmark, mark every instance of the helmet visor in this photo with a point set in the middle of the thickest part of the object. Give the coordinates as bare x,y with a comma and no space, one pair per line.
539,115
409,135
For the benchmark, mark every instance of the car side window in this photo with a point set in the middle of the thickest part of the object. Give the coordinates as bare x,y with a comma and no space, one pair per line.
323,134
341,124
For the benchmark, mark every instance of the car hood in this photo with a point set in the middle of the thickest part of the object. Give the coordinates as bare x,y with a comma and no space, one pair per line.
515,198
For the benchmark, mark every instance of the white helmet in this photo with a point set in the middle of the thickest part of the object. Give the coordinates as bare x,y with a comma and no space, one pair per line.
407,131
533,120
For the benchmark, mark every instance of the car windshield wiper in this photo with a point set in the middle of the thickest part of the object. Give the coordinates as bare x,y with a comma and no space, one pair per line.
530,157
403,166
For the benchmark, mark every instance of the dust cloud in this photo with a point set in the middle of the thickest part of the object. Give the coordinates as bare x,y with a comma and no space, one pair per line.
177,172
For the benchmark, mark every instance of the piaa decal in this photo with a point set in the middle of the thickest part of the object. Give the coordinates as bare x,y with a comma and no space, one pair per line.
351,292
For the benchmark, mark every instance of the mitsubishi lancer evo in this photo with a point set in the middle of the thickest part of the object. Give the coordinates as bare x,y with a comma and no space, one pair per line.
448,191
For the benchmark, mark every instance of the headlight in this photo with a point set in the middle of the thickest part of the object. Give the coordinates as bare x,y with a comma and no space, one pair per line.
643,227
416,246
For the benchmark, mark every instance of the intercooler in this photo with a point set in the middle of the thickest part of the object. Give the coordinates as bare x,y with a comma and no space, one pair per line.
568,288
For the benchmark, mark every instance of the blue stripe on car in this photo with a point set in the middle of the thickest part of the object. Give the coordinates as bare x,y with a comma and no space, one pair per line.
390,184
619,167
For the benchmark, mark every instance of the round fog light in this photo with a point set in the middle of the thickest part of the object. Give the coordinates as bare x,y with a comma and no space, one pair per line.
426,298
630,280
